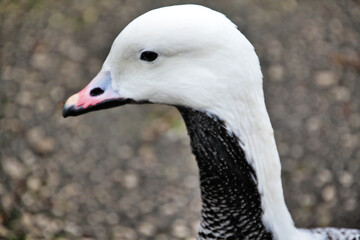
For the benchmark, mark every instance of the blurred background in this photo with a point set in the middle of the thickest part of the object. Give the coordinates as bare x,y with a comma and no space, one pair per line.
128,173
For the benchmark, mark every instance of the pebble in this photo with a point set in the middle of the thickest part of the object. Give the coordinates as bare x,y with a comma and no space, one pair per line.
147,229
325,78
14,168
44,105
41,60
341,94
12,124
25,114
323,177
33,183
25,98
130,180
39,142
123,232
70,49
346,179
179,229
112,218
350,204
276,73
329,193
57,93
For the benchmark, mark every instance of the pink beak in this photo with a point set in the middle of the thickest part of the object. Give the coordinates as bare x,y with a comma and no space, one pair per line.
97,95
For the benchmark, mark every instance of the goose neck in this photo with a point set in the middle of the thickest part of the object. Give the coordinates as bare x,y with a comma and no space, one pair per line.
231,202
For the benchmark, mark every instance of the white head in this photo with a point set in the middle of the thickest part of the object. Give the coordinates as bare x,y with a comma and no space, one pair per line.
203,61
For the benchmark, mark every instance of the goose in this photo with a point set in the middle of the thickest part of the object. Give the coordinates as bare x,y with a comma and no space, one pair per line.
195,59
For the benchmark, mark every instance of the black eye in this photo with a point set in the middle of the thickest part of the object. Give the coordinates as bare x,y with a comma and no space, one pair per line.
148,56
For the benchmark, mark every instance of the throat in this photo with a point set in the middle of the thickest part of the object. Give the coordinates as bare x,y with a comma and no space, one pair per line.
231,202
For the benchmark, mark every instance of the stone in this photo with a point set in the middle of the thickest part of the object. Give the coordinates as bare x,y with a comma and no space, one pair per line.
276,72
14,168
39,142
147,229
329,193
325,78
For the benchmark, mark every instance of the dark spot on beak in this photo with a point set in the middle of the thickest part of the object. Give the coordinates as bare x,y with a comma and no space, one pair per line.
96,92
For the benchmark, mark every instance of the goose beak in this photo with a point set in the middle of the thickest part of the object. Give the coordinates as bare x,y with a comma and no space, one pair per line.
98,95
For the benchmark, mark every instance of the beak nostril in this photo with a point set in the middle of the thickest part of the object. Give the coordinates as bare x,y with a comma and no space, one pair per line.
96,92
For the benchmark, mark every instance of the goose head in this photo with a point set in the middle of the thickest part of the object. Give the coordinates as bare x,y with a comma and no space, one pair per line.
184,55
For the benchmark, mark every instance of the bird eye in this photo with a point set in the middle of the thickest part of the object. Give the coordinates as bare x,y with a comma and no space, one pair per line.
148,56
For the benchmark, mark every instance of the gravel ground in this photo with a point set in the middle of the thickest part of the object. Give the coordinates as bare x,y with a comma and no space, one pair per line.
128,173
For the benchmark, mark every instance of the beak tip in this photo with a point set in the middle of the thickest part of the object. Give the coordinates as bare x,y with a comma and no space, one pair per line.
66,111
69,106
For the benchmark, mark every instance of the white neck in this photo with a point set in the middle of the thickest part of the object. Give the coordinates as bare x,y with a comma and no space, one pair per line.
249,120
